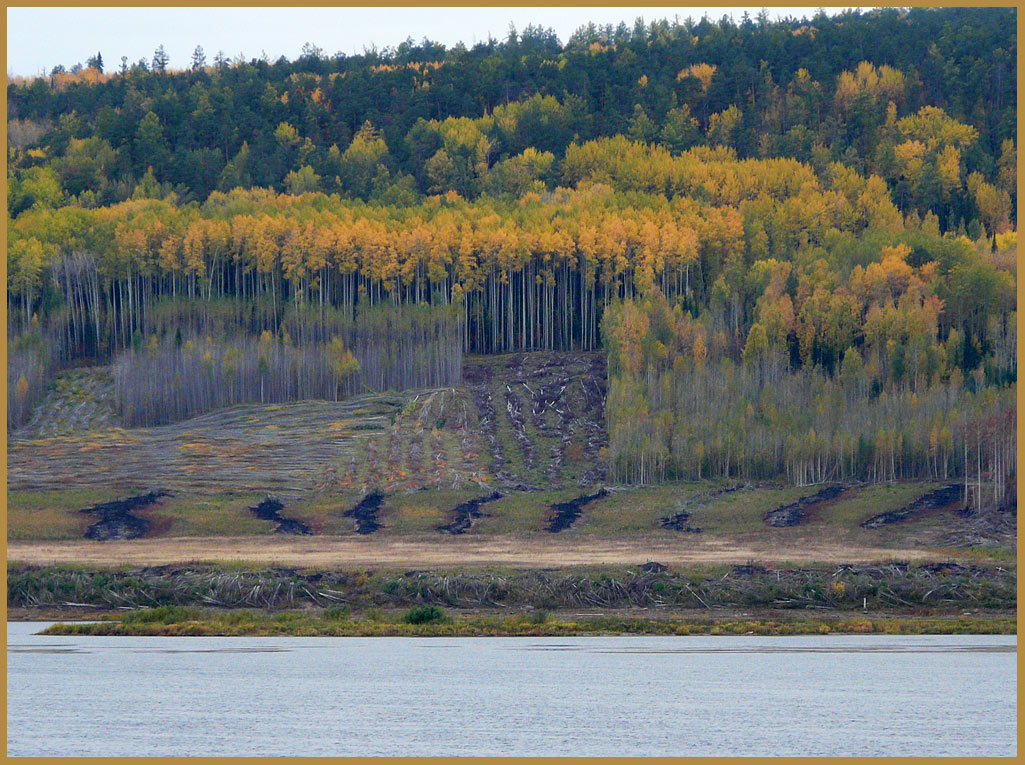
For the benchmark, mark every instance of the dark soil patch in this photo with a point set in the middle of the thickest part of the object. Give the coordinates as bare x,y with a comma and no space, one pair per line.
566,513
268,511
935,500
750,570
117,521
465,514
796,512
653,567
365,513
678,522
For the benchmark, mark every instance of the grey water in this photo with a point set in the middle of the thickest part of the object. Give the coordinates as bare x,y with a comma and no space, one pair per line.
823,695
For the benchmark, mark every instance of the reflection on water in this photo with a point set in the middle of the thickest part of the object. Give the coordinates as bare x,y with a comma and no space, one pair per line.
828,695
883,648
73,649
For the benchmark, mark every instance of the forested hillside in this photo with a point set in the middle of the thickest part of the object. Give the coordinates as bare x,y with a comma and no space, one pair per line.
795,240
497,118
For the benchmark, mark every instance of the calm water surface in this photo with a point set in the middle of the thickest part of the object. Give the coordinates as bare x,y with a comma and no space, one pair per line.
830,695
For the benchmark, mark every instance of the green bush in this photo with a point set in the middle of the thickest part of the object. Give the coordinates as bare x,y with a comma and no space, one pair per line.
424,615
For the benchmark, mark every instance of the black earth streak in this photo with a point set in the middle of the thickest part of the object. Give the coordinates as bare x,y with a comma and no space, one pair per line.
794,513
117,521
566,513
365,513
934,500
465,514
268,511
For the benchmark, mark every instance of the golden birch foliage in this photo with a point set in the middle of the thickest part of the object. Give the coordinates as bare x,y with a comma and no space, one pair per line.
702,72
935,129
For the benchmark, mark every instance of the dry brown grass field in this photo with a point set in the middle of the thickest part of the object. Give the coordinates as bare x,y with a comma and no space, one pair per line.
509,551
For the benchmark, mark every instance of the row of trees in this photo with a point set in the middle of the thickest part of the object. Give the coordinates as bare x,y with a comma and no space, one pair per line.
681,407
714,231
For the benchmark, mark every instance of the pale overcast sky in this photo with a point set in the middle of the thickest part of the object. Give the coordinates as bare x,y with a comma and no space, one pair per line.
40,38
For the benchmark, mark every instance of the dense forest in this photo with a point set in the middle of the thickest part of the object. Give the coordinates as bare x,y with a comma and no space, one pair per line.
498,117
796,240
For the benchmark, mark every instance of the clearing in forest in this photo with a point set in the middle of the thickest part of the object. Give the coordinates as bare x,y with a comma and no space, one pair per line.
541,416
525,421
249,447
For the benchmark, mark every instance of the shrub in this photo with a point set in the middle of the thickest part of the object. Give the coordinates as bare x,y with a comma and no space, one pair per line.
424,615
540,616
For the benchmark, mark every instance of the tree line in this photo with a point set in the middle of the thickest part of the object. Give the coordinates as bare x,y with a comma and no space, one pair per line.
533,273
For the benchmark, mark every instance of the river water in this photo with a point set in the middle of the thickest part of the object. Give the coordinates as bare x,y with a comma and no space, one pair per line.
828,695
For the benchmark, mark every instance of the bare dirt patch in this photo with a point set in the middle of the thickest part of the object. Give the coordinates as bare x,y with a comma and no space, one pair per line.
470,550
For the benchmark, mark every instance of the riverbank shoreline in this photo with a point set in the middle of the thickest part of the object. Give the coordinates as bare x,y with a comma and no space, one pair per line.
431,621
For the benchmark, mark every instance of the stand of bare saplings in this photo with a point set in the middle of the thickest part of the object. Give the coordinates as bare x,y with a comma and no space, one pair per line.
169,378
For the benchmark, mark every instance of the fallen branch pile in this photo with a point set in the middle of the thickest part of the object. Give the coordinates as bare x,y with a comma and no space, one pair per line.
944,586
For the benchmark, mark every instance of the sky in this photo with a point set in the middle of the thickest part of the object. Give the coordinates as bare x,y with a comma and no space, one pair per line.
40,38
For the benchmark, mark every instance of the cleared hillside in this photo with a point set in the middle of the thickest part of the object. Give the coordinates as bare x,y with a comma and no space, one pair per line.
506,469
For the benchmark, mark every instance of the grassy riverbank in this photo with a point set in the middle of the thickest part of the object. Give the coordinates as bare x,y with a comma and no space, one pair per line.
430,621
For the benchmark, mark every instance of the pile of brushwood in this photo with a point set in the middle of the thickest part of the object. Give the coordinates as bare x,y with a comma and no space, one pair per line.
891,586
